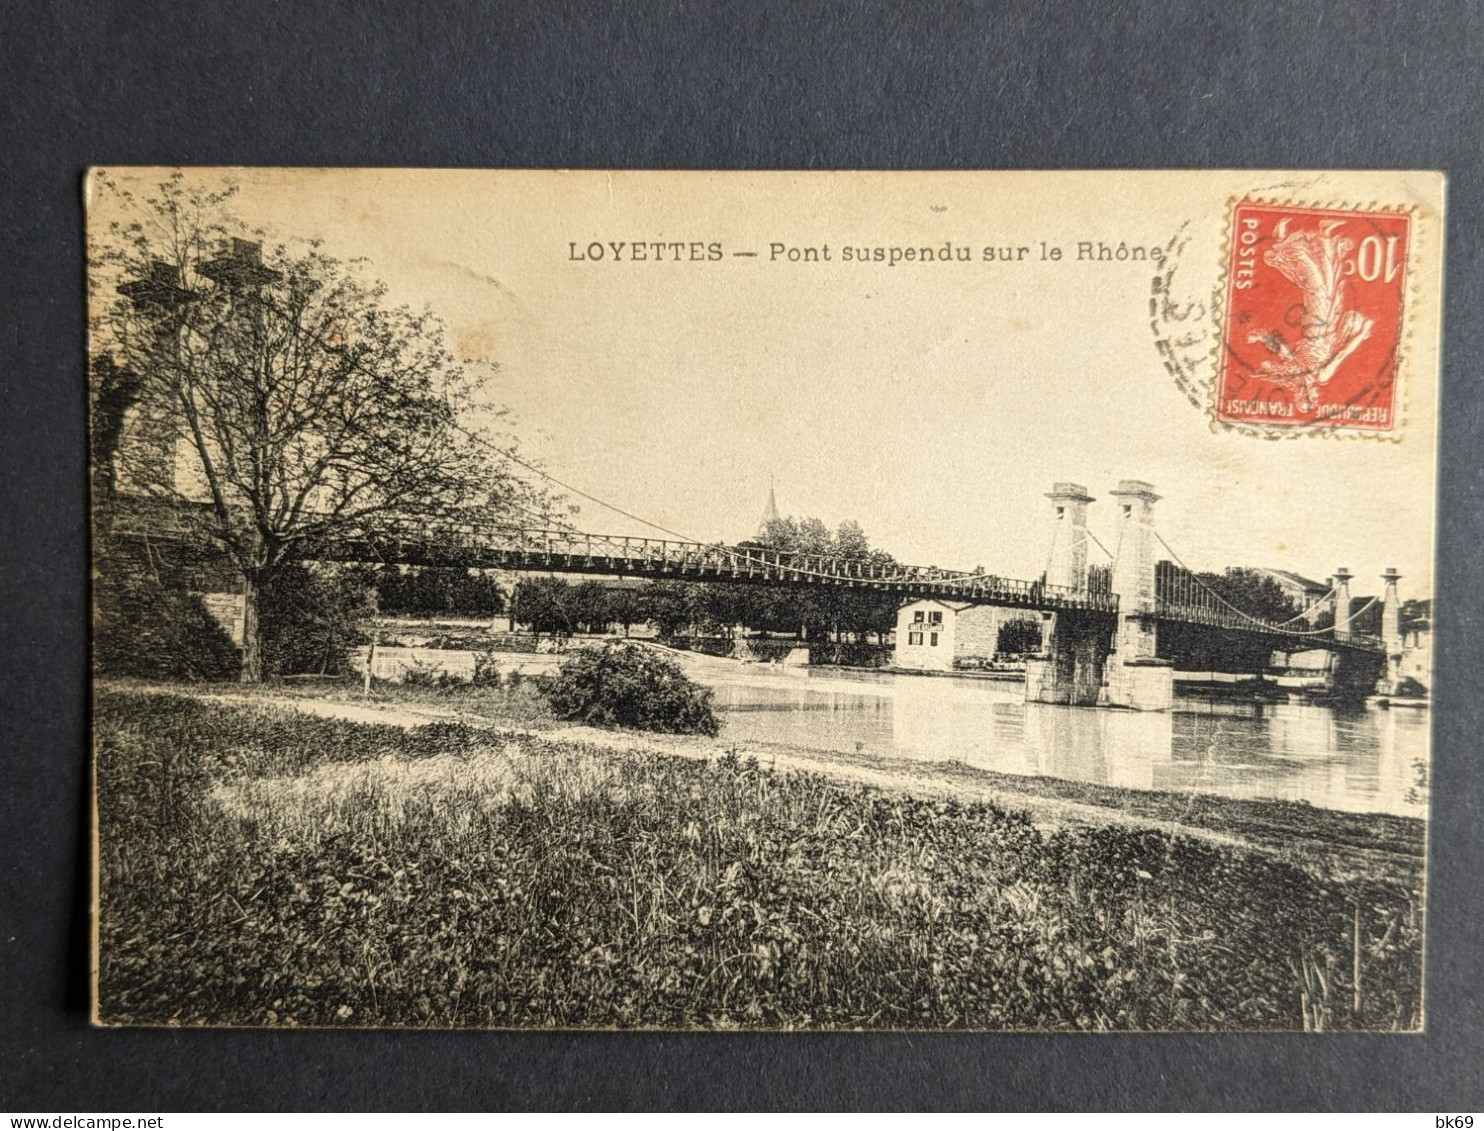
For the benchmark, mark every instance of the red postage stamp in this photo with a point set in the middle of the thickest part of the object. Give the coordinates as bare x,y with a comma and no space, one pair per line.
1313,317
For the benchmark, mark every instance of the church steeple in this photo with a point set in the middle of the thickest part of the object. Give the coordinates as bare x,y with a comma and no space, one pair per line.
770,512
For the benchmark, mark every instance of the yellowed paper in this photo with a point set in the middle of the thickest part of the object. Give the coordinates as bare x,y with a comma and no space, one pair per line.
763,600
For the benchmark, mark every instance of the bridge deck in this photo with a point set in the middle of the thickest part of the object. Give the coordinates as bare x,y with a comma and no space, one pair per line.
477,546
612,555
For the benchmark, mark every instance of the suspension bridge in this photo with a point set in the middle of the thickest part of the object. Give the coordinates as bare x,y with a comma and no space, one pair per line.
1114,633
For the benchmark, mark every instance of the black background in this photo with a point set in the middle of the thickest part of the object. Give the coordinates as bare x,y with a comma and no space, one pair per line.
688,85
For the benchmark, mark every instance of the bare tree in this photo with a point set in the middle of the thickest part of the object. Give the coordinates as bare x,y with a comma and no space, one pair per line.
279,401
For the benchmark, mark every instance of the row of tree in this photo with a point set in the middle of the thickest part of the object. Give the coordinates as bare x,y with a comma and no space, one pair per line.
671,608
677,608
437,592
681,608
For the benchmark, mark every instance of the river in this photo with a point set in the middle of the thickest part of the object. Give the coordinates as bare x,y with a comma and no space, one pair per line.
1361,759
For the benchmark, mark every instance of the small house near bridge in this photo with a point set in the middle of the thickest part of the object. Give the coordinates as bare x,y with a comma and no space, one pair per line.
940,636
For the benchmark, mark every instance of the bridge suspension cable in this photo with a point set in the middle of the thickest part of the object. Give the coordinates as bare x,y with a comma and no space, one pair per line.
1098,543
477,438
1051,550
1303,613
1191,574
324,342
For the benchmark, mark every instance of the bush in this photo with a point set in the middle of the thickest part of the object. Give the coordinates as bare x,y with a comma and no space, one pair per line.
1409,688
486,670
628,685
309,618
432,679
1021,636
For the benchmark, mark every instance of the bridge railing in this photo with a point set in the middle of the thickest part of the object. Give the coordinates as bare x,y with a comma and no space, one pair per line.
420,538
718,561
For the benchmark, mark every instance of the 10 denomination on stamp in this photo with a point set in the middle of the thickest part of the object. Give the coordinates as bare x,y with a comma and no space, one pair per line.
1313,318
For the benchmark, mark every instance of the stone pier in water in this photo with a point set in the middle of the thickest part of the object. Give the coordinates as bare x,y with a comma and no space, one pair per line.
1085,661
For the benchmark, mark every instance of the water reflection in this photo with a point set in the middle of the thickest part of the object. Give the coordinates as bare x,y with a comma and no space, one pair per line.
1361,759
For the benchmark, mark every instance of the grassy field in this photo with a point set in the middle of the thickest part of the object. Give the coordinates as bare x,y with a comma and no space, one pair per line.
263,866
1333,843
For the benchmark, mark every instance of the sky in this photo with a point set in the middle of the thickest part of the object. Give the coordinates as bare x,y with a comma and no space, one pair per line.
934,403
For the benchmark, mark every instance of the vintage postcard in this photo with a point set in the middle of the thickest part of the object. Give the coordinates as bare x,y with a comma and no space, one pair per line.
988,601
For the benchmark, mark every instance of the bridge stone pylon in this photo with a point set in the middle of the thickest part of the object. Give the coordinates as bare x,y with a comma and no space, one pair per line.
1134,676
1391,613
1070,668
1068,565
1391,632
1134,546
1342,603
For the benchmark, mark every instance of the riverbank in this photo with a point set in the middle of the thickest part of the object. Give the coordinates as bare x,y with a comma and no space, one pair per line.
420,859
1333,843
